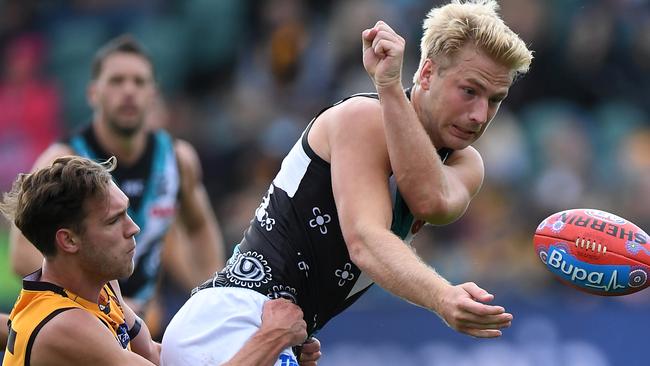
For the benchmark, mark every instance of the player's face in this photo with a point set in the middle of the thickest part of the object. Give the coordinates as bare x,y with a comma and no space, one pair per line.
108,243
461,101
123,92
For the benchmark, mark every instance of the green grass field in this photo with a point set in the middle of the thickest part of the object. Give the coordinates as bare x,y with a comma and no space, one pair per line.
9,283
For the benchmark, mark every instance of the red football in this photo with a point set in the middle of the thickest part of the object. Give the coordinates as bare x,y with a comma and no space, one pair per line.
594,251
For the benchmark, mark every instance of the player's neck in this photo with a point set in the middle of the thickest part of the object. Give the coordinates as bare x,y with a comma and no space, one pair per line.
416,100
71,278
127,149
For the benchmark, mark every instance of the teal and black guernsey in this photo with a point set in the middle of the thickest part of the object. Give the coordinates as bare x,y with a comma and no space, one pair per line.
152,185
294,247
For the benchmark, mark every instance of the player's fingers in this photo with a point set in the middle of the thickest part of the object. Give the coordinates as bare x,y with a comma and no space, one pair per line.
311,345
478,308
480,324
367,36
482,313
381,48
310,352
384,48
307,357
382,34
381,25
477,292
494,322
481,333
395,42
385,31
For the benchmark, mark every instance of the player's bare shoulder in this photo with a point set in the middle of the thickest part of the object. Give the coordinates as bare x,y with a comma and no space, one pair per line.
59,338
359,110
355,118
50,154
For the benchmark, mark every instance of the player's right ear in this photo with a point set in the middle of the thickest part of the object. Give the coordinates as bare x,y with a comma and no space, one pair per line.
67,241
426,71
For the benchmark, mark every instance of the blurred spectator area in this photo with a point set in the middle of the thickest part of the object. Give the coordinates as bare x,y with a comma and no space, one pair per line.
241,79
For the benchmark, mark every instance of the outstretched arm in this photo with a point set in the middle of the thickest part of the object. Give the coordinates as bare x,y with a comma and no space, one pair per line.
434,192
360,170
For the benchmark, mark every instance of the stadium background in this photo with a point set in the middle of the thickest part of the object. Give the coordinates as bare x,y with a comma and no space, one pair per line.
241,79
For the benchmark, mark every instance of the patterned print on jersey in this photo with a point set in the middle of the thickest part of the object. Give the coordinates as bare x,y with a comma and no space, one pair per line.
303,266
344,275
249,269
262,215
283,292
320,220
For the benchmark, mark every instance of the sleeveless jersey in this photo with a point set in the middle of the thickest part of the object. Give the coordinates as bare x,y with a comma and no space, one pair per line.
294,247
39,302
152,185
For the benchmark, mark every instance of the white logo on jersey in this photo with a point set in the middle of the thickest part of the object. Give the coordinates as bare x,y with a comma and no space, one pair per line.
303,266
249,269
344,274
320,220
262,215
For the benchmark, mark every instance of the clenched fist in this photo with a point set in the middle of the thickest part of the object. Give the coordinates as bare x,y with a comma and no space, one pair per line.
383,53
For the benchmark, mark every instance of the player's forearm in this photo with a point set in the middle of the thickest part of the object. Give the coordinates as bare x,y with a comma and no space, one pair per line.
384,257
413,157
24,256
206,251
141,342
152,354
143,345
262,349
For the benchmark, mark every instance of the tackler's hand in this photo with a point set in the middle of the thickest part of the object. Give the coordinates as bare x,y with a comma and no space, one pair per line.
310,352
284,319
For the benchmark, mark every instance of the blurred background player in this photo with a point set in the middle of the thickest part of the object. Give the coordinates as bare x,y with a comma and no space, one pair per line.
160,175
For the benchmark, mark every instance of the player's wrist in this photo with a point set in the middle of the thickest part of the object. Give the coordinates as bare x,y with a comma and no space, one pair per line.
276,339
389,87
439,292
134,330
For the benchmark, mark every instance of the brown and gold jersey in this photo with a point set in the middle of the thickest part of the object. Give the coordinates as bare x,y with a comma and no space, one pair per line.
39,302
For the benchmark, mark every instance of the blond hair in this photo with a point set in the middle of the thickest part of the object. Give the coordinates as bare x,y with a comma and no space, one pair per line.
448,28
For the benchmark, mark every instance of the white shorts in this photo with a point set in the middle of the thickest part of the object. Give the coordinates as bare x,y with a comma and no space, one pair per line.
213,325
